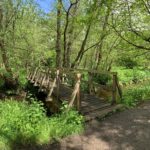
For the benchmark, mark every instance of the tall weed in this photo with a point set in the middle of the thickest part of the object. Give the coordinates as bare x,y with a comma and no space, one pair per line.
27,123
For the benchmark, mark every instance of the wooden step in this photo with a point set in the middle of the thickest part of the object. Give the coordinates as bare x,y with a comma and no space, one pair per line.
102,113
89,109
92,103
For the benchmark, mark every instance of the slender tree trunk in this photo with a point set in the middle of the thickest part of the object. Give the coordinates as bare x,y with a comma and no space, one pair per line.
85,62
98,57
4,57
58,40
70,35
65,41
2,45
81,52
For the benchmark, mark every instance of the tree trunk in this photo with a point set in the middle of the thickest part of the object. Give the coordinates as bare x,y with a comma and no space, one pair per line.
81,52
68,33
58,40
4,57
65,37
2,45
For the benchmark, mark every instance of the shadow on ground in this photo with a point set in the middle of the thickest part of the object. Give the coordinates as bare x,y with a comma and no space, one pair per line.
125,130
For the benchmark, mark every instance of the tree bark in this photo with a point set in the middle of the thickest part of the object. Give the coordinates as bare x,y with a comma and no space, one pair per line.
68,32
81,52
58,40
2,45
70,36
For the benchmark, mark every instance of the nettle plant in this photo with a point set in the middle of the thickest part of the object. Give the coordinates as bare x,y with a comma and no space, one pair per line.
27,123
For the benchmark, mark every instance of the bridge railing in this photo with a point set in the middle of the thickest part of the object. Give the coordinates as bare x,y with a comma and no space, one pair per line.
92,85
52,78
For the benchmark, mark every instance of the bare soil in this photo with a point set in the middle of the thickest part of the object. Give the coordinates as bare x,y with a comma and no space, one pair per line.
126,130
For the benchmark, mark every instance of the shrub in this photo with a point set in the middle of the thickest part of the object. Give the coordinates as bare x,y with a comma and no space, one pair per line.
133,96
127,62
127,75
25,123
66,123
102,78
22,78
2,83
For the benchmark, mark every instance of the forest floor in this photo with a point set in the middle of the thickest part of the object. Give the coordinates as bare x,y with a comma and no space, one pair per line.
126,130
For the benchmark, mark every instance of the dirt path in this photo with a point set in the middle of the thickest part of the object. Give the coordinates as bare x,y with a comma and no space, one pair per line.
127,130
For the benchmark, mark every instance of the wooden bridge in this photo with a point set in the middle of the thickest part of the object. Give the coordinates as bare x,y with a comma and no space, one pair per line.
78,88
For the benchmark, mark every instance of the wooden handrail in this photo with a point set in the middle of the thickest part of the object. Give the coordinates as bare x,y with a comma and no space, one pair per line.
57,84
43,80
34,74
76,94
80,70
37,78
29,75
52,87
114,89
55,80
49,80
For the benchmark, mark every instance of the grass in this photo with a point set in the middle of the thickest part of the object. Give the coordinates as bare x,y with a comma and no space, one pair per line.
136,94
23,123
127,75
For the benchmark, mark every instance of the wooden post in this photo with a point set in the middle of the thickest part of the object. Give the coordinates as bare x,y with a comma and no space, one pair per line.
63,78
47,77
37,78
40,78
44,77
114,89
118,87
51,87
31,74
34,74
75,97
49,80
42,82
57,83
78,98
90,85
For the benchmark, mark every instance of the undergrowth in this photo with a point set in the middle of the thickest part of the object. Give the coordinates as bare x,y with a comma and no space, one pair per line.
23,123
135,74
136,94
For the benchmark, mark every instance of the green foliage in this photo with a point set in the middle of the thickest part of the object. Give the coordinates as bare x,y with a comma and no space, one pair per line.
102,78
127,62
135,95
2,82
27,123
126,75
20,75
66,123
84,87
3,75
22,78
